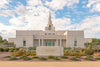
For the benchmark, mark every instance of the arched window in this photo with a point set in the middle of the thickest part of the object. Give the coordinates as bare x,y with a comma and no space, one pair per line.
49,27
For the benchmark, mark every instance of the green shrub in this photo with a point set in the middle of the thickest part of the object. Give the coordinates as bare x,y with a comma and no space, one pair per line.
56,58
1,49
97,58
23,56
12,49
35,57
78,56
42,58
74,59
64,57
6,49
13,58
89,57
26,58
16,49
7,57
50,57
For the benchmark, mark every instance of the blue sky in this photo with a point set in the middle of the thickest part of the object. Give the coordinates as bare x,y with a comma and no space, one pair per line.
66,15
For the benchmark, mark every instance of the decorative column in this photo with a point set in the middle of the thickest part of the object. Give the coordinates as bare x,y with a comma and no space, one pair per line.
57,42
39,42
60,42
42,41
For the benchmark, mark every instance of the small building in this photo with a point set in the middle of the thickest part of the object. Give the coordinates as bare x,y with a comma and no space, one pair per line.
49,37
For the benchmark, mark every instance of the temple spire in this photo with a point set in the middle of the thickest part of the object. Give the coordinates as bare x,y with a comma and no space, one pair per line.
49,22
49,26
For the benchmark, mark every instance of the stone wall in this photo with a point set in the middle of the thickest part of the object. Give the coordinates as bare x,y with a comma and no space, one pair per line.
49,51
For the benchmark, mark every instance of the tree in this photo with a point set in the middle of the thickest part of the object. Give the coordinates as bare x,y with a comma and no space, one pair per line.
0,39
90,46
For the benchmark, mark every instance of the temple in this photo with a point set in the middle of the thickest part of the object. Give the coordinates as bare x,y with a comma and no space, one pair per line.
49,37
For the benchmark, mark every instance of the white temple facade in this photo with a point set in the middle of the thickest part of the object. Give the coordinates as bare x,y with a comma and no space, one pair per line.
49,37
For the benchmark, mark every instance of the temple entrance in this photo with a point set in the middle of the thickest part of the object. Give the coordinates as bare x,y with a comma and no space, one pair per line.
49,43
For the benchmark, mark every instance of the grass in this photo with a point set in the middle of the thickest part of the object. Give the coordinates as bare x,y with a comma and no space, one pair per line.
88,57
56,58
50,57
26,58
35,57
13,58
7,57
97,58
42,58
74,59
64,57
23,56
77,56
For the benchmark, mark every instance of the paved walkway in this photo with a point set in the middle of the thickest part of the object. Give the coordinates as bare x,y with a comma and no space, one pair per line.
49,64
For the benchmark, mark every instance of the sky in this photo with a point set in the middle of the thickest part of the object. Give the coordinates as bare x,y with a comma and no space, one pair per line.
66,15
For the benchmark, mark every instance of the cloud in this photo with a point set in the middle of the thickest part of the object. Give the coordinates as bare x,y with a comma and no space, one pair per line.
7,13
30,17
34,16
90,25
21,10
61,23
3,3
55,4
94,5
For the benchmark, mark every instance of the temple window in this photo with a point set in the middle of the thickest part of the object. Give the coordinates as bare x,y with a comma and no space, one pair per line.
75,43
49,27
24,43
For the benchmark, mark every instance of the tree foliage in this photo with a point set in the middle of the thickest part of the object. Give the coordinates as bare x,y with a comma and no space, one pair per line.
4,42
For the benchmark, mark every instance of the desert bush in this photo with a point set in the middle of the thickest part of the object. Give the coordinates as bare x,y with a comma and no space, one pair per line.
32,48
42,58
15,55
35,57
7,57
65,53
64,57
18,53
89,57
97,58
89,52
74,53
74,59
32,53
50,57
13,58
6,49
56,58
1,49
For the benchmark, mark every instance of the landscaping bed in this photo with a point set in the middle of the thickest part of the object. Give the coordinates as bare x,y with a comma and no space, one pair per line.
23,54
